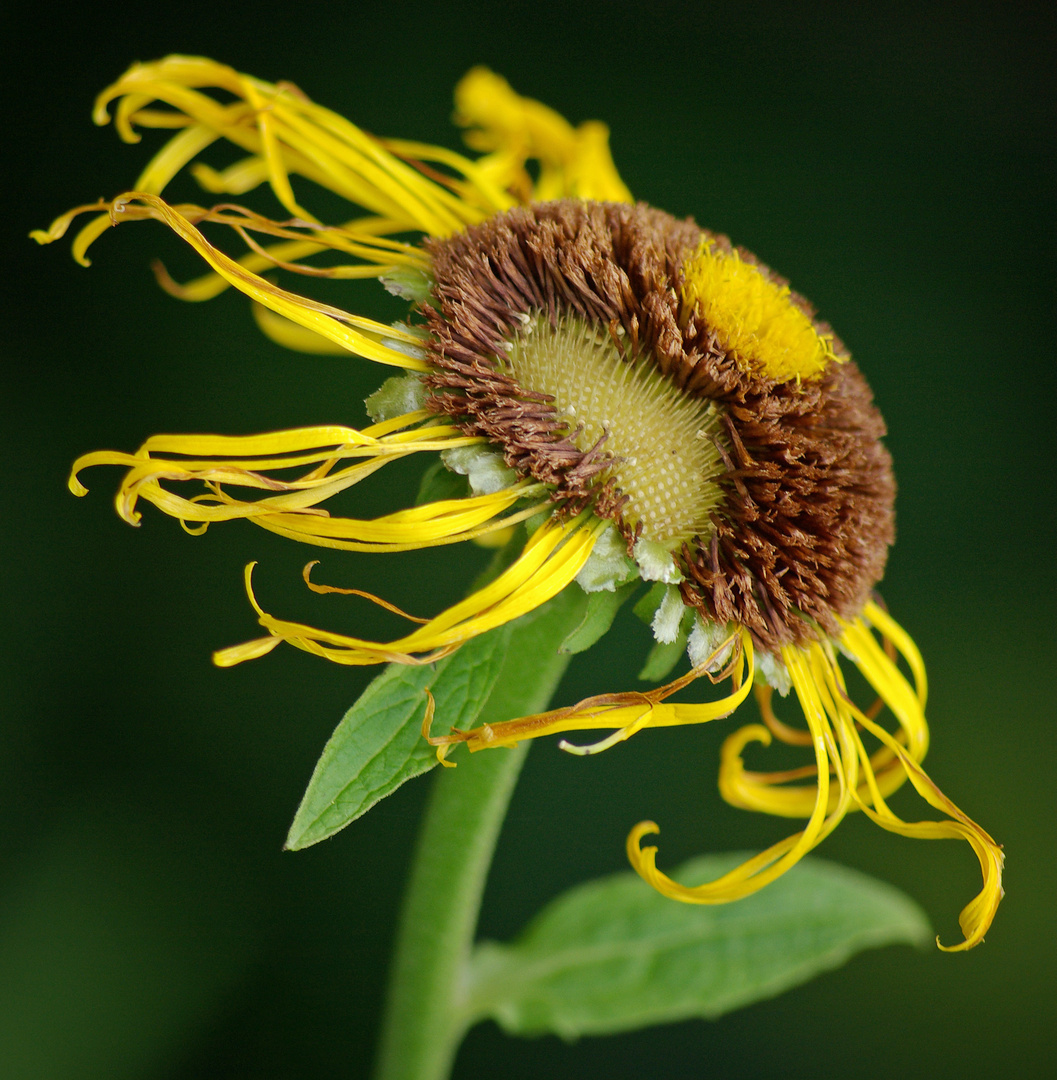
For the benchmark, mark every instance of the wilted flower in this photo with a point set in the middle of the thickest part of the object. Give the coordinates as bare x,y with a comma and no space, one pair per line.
652,402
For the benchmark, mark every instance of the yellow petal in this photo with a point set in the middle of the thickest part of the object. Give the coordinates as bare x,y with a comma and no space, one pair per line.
286,133
248,461
623,713
573,161
329,322
553,556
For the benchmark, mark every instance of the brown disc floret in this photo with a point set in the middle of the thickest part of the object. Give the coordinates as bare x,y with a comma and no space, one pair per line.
801,533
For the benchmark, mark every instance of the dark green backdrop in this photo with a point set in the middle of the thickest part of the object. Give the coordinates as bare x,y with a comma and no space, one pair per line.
897,164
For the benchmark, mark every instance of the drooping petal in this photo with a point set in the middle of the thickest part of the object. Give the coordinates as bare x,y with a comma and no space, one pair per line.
864,781
513,129
292,507
360,238
553,556
776,860
449,521
976,917
622,713
337,325
287,133
773,792
861,781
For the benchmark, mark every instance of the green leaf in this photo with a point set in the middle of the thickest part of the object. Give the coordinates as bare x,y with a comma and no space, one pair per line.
378,745
600,611
533,666
438,483
662,658
614,955
646,608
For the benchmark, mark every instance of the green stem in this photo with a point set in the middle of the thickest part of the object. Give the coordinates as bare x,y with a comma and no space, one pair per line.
423,1024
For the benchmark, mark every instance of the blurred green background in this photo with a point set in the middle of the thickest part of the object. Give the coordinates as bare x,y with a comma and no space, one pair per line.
897,163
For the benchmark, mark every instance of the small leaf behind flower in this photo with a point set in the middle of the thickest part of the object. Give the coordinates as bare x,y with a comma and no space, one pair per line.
647,605
662,658
600,610
614,955
378,745
439,483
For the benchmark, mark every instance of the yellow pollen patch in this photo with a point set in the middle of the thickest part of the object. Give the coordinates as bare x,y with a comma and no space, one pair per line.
669,465
754,318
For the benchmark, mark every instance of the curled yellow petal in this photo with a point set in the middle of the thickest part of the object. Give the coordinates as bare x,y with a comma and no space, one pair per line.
58,228
291,507
553,556
324,589
623,713
514,129
844,775
876,615
776,860
976,917
450,521
329,322
287,134
362,239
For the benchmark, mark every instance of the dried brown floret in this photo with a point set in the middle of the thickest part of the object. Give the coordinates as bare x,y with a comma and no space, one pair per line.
806,516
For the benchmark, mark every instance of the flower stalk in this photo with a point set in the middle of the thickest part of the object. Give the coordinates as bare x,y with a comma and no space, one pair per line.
422,1027
424,1022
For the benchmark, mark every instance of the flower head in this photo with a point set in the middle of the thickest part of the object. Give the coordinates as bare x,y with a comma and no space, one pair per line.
648,400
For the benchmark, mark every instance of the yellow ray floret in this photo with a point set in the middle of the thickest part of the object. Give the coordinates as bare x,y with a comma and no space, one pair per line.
845,777
403,185
769,793
573,161
292,507
360,238
753,317
353,333
552,558
622,713
287,133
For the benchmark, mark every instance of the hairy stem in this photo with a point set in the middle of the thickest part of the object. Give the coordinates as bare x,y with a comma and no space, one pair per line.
423,1023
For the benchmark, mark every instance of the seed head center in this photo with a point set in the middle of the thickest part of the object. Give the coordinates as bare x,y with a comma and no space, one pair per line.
663,443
